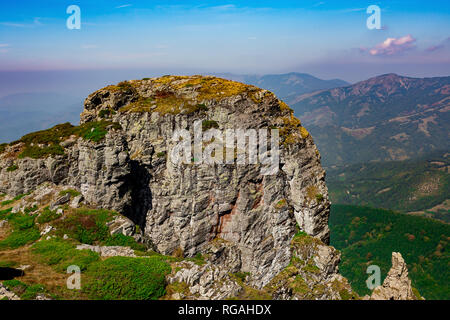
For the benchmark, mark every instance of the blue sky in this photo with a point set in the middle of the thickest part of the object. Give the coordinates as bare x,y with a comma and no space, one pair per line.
326,38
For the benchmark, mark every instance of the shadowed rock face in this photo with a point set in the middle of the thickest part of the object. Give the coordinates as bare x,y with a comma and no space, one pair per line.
188,208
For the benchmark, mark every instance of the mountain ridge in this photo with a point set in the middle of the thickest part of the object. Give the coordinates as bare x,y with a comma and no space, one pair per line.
388,117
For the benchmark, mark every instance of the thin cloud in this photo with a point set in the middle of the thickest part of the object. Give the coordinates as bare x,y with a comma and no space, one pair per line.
353,10
393,46
124,6
36,22
438,47
12,24
224,7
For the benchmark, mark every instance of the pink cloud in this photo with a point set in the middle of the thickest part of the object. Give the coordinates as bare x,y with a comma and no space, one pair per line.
392,46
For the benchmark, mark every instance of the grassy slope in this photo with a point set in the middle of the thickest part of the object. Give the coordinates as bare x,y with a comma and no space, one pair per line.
368,236
111,278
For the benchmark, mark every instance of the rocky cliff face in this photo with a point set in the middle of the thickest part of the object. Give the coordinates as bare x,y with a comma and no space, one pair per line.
119,159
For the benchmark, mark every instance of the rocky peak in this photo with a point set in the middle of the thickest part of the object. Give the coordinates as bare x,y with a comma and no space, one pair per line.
397,285
119,159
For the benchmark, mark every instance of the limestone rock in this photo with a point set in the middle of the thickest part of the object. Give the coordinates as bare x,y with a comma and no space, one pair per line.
207,282
122,225
108,251
5,293
397,285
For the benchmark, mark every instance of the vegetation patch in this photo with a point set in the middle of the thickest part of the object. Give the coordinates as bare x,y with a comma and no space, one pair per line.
209,124
312,193
86,225
47,215
60,254
46,143
198,259
24,230
73,193
8,264
172,97
106,113
12,168
291,130
125,278
23,290
281,204
89,226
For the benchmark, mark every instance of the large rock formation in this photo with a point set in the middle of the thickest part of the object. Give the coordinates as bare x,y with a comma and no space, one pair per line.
120,158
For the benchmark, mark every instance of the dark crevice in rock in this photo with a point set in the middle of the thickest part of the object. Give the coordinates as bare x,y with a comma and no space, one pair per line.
141,195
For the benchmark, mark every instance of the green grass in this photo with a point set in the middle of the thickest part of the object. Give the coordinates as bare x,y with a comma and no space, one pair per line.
47,215
209,124
12,168
25,291
16,198
24,230
198,259
4,213
368,236
95,131
46,143
124,278
72,192
60,254
106,113
123,241
85,225
3,147
8,264
89,226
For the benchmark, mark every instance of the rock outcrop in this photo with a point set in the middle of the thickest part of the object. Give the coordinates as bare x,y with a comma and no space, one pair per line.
397,285
183,207
6,294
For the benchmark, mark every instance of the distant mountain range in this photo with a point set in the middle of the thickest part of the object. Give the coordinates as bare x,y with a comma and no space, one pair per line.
287,86
385,118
